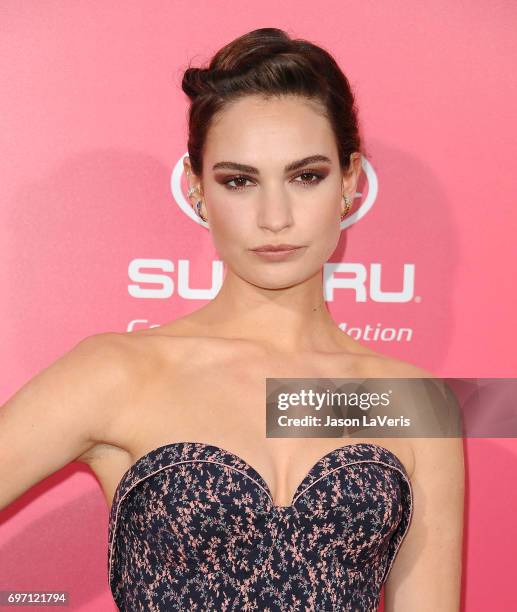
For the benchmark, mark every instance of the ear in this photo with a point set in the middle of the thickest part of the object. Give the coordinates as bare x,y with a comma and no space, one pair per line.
187,168
192,180
351,176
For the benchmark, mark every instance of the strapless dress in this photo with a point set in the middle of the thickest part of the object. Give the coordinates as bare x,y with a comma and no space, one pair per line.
194,527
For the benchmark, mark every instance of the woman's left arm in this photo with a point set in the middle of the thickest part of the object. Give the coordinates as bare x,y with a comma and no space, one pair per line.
426,574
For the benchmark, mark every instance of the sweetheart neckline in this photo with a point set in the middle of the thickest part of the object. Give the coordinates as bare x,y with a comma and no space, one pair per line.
251,469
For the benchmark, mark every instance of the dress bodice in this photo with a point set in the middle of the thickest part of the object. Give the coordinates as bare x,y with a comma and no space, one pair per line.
194,527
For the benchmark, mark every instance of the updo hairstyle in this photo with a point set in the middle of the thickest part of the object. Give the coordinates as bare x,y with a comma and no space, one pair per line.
268,62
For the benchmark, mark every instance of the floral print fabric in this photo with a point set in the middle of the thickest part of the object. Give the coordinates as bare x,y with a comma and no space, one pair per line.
193,527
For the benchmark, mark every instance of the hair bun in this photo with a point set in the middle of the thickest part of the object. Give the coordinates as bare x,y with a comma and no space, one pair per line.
196,81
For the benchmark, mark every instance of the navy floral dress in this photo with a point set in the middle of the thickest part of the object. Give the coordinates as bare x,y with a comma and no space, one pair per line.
193,527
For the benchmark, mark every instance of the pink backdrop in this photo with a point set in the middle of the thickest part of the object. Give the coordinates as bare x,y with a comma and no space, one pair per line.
94,236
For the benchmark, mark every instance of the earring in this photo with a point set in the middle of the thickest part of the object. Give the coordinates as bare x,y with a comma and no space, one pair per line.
348,204
198,203
198,209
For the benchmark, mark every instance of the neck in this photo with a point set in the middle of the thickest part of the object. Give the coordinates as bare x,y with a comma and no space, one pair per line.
286,319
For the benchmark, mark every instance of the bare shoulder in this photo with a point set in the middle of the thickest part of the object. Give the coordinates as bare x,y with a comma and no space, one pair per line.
385,366
119,362
436,397
103,367
60,413
117,366
429,452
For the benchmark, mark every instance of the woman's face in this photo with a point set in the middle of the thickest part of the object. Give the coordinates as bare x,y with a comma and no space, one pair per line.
268,202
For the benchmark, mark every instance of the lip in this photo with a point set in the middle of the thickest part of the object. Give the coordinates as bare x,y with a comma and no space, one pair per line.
277,255
272,248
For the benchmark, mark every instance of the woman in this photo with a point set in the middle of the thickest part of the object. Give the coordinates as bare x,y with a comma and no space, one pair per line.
206,512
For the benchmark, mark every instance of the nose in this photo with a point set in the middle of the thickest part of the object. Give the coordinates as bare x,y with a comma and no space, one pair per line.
275,211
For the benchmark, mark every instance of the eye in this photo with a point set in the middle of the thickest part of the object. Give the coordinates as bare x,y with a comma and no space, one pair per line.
235,178
316,178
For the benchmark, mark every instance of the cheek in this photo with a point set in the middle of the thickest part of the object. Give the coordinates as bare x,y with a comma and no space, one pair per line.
321,221
328,243
227,229
322,227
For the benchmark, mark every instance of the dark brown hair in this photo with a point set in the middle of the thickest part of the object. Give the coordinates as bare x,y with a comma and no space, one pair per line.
268,62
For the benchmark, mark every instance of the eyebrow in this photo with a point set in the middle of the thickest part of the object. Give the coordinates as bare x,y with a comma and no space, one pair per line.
289,168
